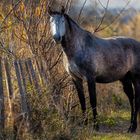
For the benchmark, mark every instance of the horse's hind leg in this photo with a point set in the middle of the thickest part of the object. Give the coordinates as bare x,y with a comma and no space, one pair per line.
79,87
128,89
136,84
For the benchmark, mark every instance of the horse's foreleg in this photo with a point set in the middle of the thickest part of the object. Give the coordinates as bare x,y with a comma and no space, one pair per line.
128,89
92,95
79,87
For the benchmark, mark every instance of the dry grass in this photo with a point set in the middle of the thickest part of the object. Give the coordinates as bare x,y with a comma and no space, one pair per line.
60,120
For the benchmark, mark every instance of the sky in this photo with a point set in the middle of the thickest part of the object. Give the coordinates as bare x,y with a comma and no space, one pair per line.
116,3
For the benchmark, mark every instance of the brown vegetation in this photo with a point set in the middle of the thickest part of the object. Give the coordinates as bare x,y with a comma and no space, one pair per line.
47,107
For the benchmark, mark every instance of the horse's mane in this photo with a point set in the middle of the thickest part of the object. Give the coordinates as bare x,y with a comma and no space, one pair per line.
69,19
71,22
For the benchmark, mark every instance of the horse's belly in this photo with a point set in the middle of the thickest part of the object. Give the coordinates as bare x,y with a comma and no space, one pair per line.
109,78
111,73
105,80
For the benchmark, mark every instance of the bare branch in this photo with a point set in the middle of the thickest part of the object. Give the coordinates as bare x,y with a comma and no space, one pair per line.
116,17
6,27
14,7
19,18
58,58
97,28
102,4
21,38
42,14
81,10
68,5
6,50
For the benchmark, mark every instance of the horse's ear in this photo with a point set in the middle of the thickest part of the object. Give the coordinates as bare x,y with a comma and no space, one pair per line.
63,10
49,10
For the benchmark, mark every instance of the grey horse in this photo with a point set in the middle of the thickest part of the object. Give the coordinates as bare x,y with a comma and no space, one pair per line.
102,60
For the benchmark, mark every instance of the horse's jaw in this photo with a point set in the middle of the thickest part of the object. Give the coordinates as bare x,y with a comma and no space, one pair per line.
57,39
57,42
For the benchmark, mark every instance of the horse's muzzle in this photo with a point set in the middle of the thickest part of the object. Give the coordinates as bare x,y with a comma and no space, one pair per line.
57,38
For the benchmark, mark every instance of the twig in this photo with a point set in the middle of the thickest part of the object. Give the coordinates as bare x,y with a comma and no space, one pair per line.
7,50
21,38
101,4
58,58
41,14
6,27
105,12
68,5
81,10
14,12
14,7
77,103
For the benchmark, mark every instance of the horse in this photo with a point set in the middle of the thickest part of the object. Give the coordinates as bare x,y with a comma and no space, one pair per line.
90,58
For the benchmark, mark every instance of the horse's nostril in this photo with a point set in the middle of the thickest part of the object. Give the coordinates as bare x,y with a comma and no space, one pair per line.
57,38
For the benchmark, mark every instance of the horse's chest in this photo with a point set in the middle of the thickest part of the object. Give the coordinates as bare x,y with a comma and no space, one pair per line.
73,69
72,66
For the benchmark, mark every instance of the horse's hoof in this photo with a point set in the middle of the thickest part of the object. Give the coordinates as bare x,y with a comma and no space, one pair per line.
132,129
96,127
85,122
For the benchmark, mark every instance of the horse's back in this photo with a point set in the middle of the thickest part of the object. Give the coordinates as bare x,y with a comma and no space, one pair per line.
134,51
117,56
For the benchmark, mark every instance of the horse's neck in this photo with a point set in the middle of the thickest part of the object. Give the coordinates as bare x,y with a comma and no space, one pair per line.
71,40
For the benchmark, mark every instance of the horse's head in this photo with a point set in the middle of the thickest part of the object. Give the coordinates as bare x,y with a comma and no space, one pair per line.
57,24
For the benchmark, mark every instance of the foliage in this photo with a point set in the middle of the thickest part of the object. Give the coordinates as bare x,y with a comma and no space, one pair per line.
56,114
